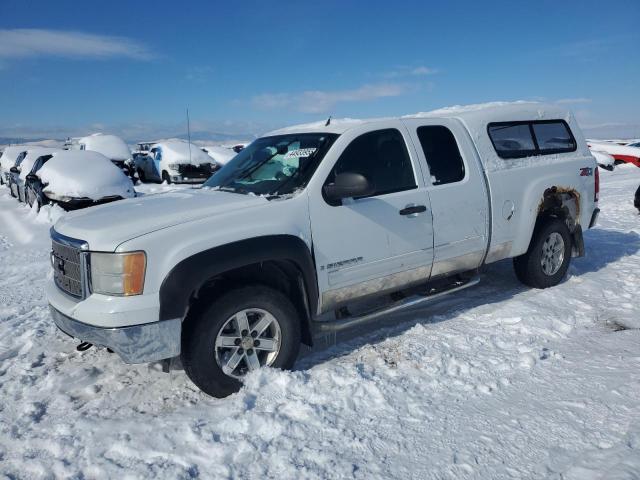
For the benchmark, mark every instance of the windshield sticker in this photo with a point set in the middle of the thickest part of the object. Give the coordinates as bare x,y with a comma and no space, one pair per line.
300,152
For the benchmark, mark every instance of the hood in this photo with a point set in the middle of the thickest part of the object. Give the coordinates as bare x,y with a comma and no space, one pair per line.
107,226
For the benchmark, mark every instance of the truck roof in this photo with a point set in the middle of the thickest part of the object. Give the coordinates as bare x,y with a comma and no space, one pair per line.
474,116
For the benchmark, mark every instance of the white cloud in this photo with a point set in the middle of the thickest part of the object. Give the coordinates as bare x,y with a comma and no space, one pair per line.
405,71
573,101
25,42
320,101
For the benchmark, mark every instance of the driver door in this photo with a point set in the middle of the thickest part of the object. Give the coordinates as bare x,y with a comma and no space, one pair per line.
380,243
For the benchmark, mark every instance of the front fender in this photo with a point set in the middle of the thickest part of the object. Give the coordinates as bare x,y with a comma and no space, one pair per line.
189,275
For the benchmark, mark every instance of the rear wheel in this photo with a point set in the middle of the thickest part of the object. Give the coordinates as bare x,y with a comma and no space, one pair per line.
241,331
546,262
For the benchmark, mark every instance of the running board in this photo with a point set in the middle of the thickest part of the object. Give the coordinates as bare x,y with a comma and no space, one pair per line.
343,324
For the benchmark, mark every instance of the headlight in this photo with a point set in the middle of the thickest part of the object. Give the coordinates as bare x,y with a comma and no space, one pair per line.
118,273
174,166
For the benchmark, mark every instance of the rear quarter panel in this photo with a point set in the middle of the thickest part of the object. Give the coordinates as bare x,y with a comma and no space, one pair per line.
517,189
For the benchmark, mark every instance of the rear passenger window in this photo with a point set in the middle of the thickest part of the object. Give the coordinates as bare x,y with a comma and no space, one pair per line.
380,156
443,156
525,139
554,136
512,140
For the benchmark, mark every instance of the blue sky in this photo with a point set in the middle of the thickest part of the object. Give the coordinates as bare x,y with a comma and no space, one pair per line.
132,67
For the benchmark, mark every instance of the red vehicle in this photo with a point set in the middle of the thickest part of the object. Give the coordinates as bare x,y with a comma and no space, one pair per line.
622,153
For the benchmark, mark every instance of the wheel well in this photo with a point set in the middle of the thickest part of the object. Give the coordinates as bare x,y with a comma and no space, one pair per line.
281,275
564,204
559,202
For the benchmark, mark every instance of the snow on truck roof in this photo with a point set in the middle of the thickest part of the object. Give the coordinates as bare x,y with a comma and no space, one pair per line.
475,118
179,151
472,115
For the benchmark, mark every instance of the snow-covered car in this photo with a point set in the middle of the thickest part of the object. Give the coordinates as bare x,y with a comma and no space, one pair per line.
175,161
634,144
75,179
604,160
310,227
220,155
621,153
7,160
22,167
111,146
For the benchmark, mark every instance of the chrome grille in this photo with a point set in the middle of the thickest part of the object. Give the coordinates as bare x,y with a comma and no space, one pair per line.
68,262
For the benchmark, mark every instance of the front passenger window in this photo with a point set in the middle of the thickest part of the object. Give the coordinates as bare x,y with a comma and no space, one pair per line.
382,157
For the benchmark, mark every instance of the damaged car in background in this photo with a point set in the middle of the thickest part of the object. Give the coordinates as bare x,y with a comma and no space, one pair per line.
174,161
75,179
111,146
22,167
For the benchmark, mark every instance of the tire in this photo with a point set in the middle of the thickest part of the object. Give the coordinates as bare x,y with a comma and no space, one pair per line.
166,178
201,358
529,267
141,175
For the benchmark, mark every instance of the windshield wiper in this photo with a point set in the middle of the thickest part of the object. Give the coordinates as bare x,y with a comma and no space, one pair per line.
226,188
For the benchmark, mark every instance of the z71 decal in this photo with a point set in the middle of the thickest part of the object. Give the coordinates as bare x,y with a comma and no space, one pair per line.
586,171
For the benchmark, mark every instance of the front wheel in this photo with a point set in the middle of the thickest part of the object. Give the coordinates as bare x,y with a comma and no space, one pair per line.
546,261
241,331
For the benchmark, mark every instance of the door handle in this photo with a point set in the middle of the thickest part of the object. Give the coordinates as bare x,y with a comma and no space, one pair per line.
413,209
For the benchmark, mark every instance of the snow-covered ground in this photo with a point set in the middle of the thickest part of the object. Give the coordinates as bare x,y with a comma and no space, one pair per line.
499,381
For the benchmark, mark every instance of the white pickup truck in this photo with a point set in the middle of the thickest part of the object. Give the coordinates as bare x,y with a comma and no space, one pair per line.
304,228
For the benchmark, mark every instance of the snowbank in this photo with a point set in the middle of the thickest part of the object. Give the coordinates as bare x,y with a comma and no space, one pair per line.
78,174
178,151
110,146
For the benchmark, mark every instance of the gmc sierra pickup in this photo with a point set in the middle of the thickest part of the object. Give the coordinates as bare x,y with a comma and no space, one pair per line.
307,225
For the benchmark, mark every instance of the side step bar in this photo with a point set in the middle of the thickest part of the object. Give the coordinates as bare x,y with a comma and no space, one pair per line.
339,325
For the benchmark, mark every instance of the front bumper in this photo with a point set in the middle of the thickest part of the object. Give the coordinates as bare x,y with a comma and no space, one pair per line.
144,343
185,179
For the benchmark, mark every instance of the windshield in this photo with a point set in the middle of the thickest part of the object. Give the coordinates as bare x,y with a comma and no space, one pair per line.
274,166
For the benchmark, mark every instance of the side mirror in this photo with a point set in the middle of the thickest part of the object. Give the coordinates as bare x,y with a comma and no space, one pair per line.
348,185
32,177
14,170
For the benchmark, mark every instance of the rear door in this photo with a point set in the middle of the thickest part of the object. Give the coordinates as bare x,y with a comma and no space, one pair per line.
366,246
457,189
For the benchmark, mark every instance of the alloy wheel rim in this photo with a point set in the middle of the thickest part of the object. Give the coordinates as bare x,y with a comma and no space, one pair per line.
552,254
248,340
